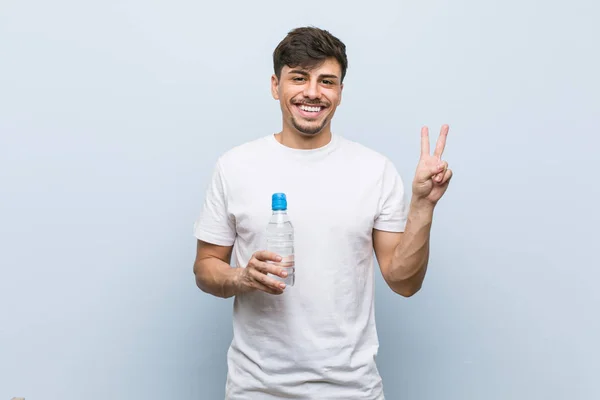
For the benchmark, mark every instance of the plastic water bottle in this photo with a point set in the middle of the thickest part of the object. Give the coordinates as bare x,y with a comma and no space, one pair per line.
280,238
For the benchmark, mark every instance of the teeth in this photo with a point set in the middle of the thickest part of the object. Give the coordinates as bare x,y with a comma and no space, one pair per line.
310,109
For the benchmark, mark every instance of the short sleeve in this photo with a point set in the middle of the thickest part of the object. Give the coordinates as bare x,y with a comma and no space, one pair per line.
214,224
393,207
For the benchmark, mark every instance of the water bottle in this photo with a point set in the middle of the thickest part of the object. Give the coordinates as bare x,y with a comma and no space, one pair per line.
280,238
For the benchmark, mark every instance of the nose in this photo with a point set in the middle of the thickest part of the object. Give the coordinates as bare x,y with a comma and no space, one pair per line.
312,90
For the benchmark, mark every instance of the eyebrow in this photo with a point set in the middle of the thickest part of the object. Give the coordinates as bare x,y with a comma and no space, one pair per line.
301,72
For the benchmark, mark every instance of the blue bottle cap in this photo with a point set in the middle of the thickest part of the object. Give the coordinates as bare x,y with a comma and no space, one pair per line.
278,202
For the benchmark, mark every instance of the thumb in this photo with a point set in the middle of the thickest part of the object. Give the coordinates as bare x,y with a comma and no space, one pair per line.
428,171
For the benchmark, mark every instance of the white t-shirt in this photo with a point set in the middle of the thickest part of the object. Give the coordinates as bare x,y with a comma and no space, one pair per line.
318,339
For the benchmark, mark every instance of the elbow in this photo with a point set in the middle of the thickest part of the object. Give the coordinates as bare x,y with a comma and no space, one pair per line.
405,287
406,281
406,290
203,283
200,284
199,277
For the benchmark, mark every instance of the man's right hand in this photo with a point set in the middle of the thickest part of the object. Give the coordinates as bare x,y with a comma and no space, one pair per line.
254,276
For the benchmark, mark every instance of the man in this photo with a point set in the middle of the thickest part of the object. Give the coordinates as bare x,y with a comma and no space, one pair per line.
316,339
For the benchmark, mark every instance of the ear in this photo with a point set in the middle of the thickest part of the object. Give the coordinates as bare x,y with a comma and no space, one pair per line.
275,87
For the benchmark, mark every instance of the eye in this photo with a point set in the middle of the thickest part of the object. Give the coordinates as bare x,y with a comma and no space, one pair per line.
328,82
298,79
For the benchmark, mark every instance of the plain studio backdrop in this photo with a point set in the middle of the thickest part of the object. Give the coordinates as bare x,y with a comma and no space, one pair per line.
112,114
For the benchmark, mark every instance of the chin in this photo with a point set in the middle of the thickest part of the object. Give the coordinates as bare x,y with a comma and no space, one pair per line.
309,131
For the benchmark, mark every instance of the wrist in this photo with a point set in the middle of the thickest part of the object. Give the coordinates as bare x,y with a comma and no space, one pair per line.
239,280
236,280
421,205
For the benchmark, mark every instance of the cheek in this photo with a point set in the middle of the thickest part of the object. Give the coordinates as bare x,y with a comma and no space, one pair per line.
335,98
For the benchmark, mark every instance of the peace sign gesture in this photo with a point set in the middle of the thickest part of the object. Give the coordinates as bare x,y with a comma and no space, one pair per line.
432,175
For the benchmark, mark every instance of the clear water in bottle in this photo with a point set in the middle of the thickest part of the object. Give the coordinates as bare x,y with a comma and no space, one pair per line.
280,238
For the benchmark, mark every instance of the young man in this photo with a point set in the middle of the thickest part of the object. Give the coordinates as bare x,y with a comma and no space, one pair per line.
316,339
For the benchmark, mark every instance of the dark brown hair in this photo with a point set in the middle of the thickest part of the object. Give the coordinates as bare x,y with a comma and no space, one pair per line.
308,47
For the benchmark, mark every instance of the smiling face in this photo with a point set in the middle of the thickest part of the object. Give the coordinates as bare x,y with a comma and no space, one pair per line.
308,97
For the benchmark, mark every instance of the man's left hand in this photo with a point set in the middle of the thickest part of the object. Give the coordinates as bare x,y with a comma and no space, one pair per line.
432,175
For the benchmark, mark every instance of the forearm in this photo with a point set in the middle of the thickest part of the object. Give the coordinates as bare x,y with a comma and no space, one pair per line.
411,256
216,277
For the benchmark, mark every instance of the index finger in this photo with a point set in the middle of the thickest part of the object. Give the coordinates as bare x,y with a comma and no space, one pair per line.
266,268
424,141
441,142
265,255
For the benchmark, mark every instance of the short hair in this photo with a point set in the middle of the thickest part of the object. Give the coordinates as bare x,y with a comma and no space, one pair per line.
307,47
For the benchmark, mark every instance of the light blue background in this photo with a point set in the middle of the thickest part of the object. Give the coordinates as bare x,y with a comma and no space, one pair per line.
112,114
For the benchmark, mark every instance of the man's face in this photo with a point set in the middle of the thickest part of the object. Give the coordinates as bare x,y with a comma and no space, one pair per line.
308,98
